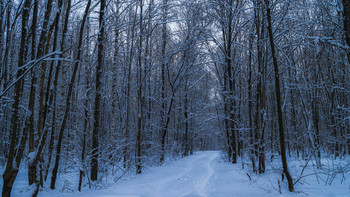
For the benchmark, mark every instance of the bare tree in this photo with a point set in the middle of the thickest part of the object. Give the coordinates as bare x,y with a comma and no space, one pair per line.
96,128
278,98
69,95
16,150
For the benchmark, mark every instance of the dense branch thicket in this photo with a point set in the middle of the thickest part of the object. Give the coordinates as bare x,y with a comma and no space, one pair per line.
128,83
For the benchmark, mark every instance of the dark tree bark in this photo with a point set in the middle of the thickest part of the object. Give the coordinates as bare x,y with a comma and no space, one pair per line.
35,163
97,125
30,121
163,118
49,94
16,152
4,73
2,19
346,15
127,93
186,134
86,128
69,95
250,105
260,92
228,36
53,90
278,98
41,50
140,98
32,167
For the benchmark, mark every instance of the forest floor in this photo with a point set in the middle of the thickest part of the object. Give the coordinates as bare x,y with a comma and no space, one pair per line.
206,174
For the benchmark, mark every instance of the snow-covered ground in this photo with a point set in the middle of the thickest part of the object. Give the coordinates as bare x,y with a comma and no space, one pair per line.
205,174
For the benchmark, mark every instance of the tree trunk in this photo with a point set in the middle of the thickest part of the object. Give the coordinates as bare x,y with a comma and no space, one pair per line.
140,98
16,152
346,15
250,105
127,92
81,171
30,121
278,98
229,77
2,46
49,95
69,94
186,137
86,128
163,89
96,127
2,16
33,165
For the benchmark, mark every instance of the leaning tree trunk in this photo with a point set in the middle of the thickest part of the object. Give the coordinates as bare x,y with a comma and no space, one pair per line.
68,98
278,98
32,166
86,112
53,91
86,123
16,152
29,126
48,94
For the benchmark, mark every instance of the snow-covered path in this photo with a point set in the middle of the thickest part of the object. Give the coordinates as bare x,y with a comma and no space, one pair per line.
203,174
200,175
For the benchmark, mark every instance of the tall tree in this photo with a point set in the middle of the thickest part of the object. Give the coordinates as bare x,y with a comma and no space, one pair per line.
278,98
346,20
97,125
16,150
163,129
140,97
69,94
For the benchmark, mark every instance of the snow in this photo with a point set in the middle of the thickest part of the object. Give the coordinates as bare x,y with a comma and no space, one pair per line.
204,174
31,156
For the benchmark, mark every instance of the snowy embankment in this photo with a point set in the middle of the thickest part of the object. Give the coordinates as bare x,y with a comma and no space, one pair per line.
205,174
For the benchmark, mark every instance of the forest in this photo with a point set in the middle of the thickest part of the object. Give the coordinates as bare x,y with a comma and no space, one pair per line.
113,87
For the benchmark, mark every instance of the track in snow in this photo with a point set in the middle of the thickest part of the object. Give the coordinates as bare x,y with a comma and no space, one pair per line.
200,175
203,174
188,177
